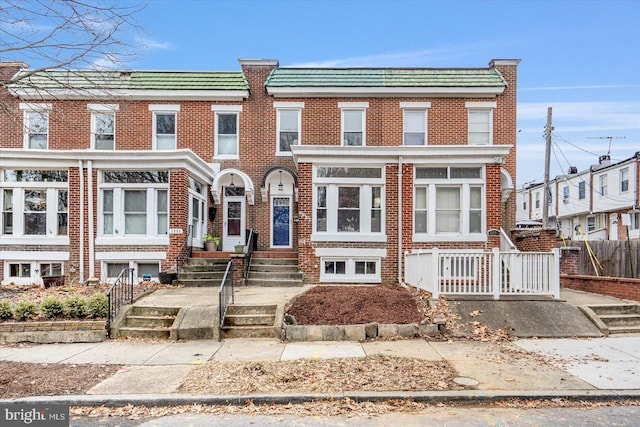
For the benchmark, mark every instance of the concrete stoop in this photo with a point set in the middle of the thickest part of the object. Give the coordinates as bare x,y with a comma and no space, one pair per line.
148,322
274,272
252,321
202,272
614,318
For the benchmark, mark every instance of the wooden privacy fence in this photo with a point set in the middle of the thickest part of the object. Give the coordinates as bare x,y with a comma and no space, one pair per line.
477,272
618,258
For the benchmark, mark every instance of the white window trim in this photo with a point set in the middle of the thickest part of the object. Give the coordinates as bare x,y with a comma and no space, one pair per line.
353,106
603,179
93,126
165,108
465,185
622,171
226,109
22,257
282,106
155,128
133,260
104,108
151,238
28,107
416,107
201,198
332,184
350,276
477,107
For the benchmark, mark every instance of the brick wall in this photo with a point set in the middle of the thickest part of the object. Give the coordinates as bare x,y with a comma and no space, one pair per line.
569,260
613,286
534,240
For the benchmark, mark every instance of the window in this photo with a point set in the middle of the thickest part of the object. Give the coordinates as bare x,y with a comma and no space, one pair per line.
164,127
348,201
537,197
603,185
635,220
591,223
112,269
581,190
34,203
50,269
415,127
36,126
624,180
288,124
448,202
103,130
350,270
197,203
227,118
134,203
480,126
353,123
31,272
524,202
565,194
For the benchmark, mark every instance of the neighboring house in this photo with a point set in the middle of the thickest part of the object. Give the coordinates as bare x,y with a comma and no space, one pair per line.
594,204
348,168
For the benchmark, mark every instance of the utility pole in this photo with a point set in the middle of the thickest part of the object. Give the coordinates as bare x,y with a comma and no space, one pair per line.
547,160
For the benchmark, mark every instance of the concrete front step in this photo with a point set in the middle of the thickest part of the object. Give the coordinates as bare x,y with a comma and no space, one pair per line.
205,261
249,320
273,275
238,309
217,275
614,309
200,283
280,268
274,261
152,322
155,333
626,320
143,310
274,282
248,332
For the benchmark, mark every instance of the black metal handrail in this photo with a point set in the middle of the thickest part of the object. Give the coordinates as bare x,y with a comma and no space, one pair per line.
226,292
120,294
248,255
186,249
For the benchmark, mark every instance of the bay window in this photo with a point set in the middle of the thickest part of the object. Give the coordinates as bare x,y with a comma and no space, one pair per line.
448,203
134,204
349,204
34,203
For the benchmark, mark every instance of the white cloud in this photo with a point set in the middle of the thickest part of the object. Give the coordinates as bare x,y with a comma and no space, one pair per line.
149,43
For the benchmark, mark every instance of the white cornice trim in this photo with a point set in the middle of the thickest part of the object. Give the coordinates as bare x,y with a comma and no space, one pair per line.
118,159
164,107
34,107
136,95
284,104
109,108
353,105
480,104
421,105
227,108
320,92
471,154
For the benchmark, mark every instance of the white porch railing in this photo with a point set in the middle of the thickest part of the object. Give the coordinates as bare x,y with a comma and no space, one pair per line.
477,272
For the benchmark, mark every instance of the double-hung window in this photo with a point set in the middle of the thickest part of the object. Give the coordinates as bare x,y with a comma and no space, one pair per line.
349,203
227,125
604,185
414,122
36,126
165,126
448,203
103,126
565,194
624,180
354,123
134,204
34,203
288,126
581,190
480,122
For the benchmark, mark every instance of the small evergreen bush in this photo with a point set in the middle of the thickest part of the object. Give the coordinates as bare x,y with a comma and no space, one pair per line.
75,306
25,309
98,305
6,312
51,306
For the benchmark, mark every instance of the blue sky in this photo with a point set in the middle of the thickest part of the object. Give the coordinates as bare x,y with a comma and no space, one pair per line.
580,58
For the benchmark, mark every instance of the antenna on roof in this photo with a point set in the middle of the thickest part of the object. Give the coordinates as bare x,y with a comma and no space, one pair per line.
609,138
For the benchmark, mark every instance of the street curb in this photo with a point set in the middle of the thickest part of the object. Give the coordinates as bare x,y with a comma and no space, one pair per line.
464,396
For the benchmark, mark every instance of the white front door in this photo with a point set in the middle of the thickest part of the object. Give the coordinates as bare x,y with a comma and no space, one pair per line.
234,224
613,226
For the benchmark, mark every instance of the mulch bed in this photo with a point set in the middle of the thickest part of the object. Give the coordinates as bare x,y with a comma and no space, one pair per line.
352,305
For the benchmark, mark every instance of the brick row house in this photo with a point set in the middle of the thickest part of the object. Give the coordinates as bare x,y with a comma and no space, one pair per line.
345,168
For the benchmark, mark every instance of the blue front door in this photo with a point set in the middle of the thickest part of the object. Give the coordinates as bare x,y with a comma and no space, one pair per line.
281,221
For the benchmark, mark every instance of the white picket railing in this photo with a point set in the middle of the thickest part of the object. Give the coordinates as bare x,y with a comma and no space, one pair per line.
477,272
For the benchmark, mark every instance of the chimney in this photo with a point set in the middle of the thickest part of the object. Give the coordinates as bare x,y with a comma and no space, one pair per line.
573,170
605,160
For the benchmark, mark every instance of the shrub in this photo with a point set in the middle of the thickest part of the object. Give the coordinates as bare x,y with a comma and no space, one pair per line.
75,306
5,309
98,305
25,309
51,307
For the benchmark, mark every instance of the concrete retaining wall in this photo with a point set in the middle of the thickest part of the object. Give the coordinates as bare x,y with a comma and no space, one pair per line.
355,332
66,331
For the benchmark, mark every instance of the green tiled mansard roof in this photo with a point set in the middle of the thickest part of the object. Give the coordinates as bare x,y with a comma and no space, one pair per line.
387,77
176,80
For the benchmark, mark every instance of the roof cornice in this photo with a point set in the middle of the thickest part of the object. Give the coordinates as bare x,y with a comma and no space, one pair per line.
129,94
331,92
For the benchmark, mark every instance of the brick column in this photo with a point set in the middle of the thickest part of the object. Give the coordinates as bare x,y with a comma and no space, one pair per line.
569,260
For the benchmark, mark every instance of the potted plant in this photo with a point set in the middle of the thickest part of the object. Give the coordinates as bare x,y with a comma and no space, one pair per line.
211,242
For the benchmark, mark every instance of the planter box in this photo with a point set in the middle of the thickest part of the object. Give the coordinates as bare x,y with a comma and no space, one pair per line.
167,278
50,281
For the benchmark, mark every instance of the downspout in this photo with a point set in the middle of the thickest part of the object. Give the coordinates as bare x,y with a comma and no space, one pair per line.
81,249
90,213
399,219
